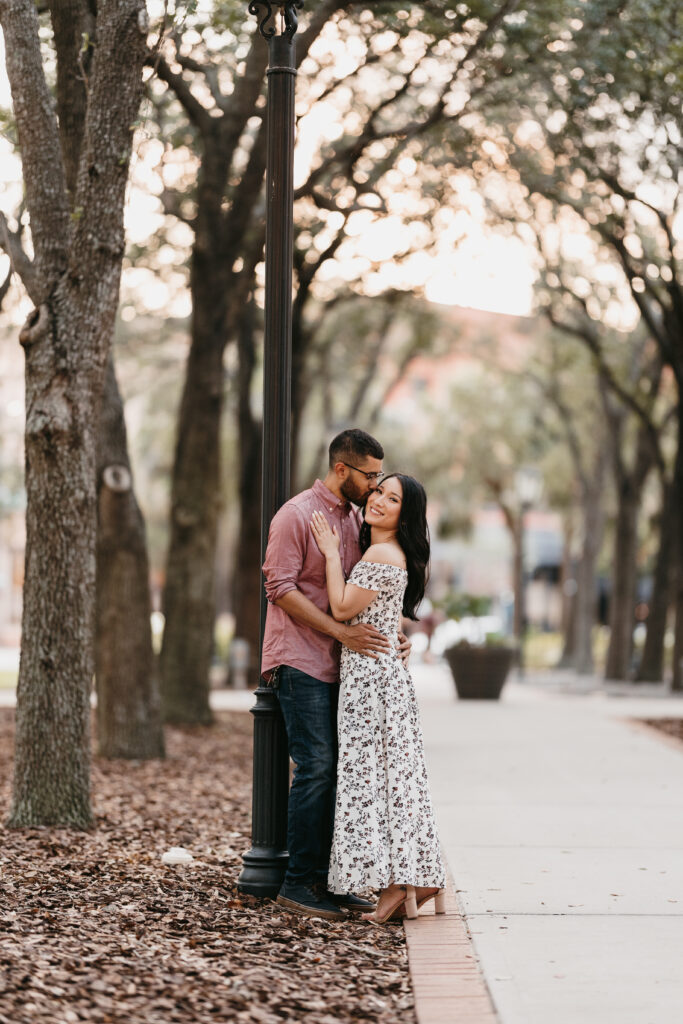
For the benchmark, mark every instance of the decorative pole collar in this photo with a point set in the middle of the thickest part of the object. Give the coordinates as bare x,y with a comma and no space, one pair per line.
289,10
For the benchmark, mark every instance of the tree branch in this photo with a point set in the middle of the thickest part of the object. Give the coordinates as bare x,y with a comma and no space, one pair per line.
114,102
74,37
172,202
20,263
4,287
607,373
43,170
196,111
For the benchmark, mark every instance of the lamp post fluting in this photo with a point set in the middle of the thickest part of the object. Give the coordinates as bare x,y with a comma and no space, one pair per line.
265,863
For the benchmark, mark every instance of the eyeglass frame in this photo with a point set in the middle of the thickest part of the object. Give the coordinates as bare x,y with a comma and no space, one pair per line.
378,477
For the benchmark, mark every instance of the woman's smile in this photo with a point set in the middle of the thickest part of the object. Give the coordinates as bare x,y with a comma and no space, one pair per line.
384,504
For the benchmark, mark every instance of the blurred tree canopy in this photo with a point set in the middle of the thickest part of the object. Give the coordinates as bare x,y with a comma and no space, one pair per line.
593,142
377,86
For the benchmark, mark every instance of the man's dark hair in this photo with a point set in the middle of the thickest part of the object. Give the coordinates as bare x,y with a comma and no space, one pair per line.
352,444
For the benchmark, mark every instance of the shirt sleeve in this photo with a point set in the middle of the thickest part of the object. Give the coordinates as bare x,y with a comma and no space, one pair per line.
370,575
285,553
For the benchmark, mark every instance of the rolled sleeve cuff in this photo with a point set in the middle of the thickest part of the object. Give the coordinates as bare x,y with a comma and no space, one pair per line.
275,589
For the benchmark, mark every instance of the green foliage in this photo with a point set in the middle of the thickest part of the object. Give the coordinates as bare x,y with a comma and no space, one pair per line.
592,126
458,606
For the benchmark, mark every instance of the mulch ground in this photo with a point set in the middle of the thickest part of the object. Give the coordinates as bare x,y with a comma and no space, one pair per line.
93,927
671,726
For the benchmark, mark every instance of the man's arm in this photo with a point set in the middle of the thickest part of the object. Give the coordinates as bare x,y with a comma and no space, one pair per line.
363,638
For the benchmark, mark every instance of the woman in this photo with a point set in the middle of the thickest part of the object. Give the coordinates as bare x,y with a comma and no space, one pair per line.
384,831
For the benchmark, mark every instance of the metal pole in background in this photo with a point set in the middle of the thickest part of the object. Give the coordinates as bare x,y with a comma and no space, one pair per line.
265,864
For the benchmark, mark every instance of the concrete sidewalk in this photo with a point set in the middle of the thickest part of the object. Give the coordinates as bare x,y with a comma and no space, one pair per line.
562,822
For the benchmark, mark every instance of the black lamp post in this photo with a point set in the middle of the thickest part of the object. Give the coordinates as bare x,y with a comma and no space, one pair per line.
265,863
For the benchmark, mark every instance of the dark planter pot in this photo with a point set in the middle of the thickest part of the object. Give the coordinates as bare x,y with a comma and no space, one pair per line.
479,673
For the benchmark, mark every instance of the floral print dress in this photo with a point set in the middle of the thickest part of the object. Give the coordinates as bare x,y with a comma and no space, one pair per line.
384,828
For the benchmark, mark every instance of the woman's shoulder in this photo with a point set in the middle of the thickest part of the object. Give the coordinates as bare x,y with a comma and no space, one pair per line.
386,554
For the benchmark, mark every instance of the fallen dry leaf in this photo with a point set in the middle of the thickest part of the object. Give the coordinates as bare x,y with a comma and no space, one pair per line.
94,928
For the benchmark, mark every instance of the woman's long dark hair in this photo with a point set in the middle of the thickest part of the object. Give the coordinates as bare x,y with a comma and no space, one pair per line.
413,537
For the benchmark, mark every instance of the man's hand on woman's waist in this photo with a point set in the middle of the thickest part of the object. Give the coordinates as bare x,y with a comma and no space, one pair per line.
364,639
405,646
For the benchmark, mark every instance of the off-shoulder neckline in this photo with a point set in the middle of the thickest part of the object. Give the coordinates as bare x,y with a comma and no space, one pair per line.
388,565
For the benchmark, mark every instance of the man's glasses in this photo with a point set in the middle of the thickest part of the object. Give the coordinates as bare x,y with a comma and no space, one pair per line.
370,477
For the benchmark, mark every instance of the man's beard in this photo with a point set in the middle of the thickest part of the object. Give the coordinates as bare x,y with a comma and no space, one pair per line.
351,494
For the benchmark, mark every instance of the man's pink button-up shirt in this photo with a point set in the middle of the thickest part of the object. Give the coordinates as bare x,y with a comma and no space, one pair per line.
294,562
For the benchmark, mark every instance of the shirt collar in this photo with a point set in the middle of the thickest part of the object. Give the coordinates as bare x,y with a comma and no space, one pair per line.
331,500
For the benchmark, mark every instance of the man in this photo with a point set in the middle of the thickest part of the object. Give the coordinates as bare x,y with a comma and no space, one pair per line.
301,650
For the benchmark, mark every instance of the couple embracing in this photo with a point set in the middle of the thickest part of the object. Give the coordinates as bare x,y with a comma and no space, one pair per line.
344,560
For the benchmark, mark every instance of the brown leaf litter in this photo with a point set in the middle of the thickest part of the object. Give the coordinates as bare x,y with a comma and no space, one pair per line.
93,927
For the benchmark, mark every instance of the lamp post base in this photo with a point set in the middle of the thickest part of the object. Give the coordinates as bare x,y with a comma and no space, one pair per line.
265,864
263,872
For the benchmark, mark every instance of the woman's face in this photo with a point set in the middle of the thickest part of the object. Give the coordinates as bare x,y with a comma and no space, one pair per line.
383,507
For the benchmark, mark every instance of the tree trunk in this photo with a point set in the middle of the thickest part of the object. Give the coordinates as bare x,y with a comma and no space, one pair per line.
593,526
74,283
624,583
651,668
217,292
52,762
189,589
569,586
677,681
629,484
247,583
128,706
189,600
300,391
517,534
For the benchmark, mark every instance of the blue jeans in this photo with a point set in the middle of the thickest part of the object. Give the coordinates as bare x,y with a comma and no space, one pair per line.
309,708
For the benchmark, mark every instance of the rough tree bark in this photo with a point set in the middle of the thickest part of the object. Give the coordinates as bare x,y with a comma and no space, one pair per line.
246,580
128,705
624,582
651,668
73,282
590,466
593,513
568,585
677,679
188,601
629,486
516,527
129,723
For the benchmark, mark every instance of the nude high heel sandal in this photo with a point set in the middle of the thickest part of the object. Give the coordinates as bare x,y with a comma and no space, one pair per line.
404,891
410,902
439,897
